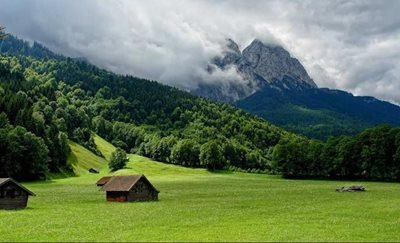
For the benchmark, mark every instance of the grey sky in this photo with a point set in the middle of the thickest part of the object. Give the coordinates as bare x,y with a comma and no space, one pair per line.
350,45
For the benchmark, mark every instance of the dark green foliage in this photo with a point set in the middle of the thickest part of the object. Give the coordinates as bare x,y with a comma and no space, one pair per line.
211,156
2,34
118,160
14,46
291,158
56,98
23,154
59,98
320,113
23,104
186,152
163,147
373,154
84,136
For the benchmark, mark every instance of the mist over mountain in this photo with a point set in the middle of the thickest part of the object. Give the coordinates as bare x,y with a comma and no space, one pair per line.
173,42
278,88
260,65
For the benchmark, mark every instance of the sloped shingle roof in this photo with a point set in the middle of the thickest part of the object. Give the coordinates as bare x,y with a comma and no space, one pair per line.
103,180
124,183
5,180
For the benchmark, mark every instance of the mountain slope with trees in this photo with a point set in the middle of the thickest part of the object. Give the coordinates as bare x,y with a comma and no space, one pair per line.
56,99
277,88
320,113
47,100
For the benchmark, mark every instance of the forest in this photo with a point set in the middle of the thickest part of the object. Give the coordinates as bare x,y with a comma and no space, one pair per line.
48,99
373,154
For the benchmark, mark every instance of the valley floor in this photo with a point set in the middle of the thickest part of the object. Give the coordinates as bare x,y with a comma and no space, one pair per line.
196,205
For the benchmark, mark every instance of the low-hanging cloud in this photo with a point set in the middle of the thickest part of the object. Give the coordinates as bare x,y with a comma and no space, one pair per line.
350,45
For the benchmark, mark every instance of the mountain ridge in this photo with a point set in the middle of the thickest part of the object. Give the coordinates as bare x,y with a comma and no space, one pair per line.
280,90
259,65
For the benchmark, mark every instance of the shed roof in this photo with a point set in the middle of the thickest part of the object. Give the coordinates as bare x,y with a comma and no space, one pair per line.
5,180
124,183
103,180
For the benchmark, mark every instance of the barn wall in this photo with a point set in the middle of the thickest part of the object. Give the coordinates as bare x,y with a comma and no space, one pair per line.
142,192
12,197
117,196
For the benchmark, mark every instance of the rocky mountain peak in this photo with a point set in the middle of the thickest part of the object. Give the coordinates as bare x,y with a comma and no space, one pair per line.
230,55
272,63
260,65
232,46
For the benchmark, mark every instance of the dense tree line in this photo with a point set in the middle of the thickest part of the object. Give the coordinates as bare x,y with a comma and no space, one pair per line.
48,99
373,154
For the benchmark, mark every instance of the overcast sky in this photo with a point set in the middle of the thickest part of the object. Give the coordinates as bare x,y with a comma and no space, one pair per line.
349,45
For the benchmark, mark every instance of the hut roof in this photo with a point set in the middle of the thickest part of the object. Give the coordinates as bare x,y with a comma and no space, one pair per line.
103,180
5,180
124,183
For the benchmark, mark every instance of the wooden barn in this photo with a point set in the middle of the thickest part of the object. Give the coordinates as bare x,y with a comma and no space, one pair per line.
13,195
129,189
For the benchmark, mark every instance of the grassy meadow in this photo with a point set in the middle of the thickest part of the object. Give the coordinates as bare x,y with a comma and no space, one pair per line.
197,205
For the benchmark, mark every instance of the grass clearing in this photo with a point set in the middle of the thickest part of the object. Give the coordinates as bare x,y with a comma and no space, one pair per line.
82,160
104,146
196,205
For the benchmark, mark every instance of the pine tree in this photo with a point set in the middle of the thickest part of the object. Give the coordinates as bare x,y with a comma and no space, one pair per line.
2,34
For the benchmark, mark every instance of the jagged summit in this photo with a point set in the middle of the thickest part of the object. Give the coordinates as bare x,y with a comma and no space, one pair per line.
232,45
272,63
260,65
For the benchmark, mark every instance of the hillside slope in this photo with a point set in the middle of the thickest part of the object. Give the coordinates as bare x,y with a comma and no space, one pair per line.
104,147
81,160
46,102
320,113
277,88
59,99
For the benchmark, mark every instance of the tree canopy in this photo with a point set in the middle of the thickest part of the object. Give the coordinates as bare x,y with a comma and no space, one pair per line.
2,33
49,99
118,160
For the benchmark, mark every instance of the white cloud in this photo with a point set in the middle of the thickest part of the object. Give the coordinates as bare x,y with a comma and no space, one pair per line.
350,45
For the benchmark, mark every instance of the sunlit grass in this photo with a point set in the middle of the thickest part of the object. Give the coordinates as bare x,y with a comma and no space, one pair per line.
105,147
82,160
196,205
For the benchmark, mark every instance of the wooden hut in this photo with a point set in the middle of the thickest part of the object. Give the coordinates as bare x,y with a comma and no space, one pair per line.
93,171
129,189
13,195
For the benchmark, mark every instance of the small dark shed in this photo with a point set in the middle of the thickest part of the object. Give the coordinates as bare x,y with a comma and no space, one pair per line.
13,195
93,171
129,189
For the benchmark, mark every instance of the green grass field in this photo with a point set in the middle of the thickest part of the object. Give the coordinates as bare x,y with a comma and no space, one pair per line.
196,205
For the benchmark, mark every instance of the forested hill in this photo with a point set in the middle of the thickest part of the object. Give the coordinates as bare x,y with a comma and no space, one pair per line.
47,99
320,113
279,89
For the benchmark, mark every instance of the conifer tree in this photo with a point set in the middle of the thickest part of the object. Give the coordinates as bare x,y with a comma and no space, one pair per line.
2,34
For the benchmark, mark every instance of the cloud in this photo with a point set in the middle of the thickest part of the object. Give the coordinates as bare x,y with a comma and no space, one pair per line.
350,45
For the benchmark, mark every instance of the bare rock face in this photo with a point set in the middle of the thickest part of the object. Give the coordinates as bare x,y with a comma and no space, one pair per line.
259,65
271,64
231,55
